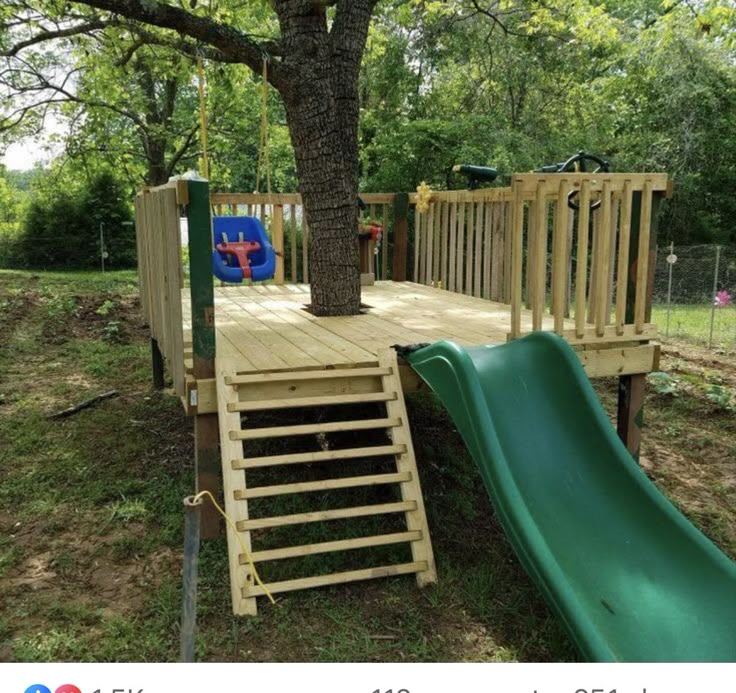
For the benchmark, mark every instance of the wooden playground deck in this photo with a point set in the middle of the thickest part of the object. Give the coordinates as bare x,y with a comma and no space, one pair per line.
268,327
510,261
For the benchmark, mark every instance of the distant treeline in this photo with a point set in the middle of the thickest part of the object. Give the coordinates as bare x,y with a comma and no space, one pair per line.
59,228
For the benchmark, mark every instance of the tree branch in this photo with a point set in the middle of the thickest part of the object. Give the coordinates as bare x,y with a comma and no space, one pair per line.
233,45
49,35
181,151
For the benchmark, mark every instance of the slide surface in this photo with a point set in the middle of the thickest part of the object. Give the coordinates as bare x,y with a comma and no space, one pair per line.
629,576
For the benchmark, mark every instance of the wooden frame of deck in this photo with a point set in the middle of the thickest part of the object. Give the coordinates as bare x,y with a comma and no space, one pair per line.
269,332
486,266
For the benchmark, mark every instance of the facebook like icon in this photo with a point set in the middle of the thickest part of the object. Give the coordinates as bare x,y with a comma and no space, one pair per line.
38,688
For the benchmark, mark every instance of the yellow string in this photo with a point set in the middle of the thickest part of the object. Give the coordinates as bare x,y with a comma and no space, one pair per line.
232,526
264,154
203,116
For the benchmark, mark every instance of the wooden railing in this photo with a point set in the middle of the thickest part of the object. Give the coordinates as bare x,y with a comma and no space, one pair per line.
585,264
158,238
461,243
593,254
283,216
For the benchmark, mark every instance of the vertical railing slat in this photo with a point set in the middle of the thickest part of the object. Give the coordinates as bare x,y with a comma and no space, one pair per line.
469,249
622,277
292,242
507,246
539,282
460,257
642,269
581,269
615,208
452,280
499,251
604,259
559,264
530,255
594,262
436,244
444,239
516,232
429,246
487,249
384,241
478,255
417,243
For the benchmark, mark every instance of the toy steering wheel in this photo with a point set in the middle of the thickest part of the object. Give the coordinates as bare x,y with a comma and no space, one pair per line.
578,162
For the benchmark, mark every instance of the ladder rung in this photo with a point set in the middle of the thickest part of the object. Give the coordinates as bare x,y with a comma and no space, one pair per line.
329,546
325,515
321,456
296,402
309,429
324,485
338,578
257,378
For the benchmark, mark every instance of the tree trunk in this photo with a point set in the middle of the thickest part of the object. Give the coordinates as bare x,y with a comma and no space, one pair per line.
321,99
157,169
329,193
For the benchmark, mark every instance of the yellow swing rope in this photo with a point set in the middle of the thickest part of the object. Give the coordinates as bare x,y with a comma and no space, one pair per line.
204,163
206,494
264,154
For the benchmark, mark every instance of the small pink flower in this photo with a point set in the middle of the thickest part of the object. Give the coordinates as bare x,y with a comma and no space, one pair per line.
723,298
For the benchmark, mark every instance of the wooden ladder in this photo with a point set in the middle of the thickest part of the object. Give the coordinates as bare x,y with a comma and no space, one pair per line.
376,382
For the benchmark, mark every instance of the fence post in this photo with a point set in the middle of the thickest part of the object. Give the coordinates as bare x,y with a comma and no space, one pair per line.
206,429
670,263
401,211
713,297
631,388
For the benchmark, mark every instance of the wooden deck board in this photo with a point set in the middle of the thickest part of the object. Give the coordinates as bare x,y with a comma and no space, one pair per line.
269,327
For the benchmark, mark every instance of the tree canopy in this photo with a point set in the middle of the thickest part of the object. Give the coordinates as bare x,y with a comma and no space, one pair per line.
515,83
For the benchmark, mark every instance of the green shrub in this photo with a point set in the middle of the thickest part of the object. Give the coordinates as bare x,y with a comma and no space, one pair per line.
61,228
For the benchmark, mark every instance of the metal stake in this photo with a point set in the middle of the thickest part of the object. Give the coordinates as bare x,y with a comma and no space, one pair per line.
669,288
102,245
190,569
713,296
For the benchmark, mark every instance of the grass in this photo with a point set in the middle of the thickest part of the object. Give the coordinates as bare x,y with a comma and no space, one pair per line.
91,522
691,323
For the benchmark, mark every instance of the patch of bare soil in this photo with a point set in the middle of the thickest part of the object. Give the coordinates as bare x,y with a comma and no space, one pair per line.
81,564
689,444
687,358
108,316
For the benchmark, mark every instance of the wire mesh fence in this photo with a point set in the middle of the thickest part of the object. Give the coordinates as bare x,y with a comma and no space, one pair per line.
695,294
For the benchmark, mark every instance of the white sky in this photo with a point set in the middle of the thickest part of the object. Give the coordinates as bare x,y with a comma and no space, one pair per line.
24,155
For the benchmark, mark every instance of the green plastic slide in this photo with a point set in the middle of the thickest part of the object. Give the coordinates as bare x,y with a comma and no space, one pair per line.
630,577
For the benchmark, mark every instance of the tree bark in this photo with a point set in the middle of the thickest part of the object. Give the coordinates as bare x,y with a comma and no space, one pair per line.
319,86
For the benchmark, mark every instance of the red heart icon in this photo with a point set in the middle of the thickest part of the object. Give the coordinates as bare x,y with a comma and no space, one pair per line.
68,688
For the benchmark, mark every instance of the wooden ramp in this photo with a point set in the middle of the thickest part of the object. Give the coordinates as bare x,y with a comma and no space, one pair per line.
339,405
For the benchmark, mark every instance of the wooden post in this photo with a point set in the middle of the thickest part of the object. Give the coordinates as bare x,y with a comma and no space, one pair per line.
157,365
206,430
632,388
277,239
401,236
